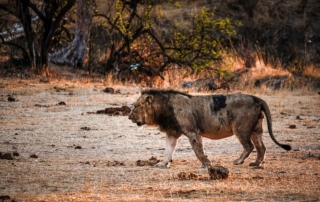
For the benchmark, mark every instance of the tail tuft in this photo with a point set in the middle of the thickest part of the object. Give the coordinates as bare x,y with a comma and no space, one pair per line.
286,147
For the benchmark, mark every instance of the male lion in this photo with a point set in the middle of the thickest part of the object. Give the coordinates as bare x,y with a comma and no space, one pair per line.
212,116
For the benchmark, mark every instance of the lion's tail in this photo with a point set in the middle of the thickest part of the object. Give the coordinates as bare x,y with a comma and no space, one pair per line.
266,111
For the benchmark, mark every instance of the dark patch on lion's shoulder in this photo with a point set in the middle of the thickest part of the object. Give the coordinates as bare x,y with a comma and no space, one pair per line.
162,91
218,102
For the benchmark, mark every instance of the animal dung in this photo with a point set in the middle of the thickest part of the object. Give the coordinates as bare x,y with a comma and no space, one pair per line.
109,90
151,162
11,99
33,156
292,126
112,111
6,156
85,128
218,172
187,176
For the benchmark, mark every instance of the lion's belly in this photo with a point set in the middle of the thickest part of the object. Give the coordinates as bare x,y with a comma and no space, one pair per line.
217,135
215,127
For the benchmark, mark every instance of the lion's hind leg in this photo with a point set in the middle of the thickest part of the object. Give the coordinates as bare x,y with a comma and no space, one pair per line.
256,137
247,149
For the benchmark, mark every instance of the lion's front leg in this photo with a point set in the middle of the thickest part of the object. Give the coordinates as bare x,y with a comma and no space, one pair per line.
171,143
197,146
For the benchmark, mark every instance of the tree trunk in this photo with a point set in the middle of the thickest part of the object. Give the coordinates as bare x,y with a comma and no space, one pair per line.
75,53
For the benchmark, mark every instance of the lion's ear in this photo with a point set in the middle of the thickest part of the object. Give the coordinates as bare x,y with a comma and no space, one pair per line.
149,99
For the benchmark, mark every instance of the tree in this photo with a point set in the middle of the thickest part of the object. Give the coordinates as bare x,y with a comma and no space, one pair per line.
20,10
195,47
75,53
50,15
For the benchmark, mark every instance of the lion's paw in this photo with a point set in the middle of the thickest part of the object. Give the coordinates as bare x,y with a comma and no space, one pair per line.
205,165
163,165
238,162
255,164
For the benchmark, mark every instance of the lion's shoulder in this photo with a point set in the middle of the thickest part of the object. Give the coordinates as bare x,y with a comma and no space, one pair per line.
164,92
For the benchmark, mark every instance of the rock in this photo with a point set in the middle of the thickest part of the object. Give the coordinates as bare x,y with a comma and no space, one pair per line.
218,172
206,84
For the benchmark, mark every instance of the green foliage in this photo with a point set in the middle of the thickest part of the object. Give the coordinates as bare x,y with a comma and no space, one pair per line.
196,45
177,5
126,19
120,14
2,49
200,45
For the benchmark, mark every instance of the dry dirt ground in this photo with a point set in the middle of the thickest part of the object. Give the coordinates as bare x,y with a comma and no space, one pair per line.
96,157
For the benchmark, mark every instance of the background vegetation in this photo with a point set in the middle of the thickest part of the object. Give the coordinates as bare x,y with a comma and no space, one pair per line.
135,40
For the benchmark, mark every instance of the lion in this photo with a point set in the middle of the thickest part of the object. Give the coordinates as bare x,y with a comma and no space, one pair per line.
211,116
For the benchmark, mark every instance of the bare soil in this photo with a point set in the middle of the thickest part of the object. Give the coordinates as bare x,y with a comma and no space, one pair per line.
62,153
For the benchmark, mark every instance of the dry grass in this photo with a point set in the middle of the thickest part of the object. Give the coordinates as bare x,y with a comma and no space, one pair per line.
105,168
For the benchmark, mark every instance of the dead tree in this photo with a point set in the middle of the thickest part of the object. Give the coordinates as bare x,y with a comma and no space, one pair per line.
74,54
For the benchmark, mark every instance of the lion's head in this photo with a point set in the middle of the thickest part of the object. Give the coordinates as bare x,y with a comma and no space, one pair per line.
143,112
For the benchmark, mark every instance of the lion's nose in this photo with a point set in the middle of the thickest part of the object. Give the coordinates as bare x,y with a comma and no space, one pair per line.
139,123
